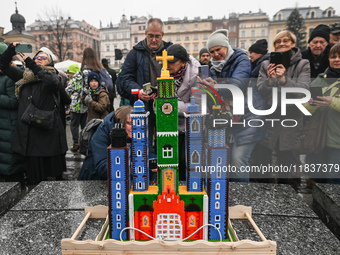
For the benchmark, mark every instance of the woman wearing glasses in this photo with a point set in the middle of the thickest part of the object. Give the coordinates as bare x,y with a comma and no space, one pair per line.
39,84
288,70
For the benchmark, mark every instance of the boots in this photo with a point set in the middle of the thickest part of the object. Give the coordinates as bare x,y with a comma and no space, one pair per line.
75,147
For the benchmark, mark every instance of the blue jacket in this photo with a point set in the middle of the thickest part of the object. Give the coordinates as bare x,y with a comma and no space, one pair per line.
237,71
95,165
135,71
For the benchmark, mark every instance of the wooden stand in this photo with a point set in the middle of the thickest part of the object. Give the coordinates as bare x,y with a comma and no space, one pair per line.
111,246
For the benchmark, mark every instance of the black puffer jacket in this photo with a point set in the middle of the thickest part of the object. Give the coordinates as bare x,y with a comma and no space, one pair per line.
27,140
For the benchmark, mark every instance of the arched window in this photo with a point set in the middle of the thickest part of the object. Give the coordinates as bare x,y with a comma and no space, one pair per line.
138,122
329,13
194,185
117,160
217,195
118,205
118,217
279,16
217,187
195,157
139,169
312,15
117,186
217,205
118,174
219,160
139,153
195,126
118,195
140,185
138,135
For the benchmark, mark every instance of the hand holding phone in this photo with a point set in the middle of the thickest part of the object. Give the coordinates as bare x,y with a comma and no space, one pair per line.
203,71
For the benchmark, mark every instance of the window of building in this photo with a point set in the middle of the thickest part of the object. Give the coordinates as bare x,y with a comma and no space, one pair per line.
217,205
136,39
243,45
329,14
217,217
140,185
263,32
312,15
118,205
51,37
195,126
138,122
118,217
70,55
139,153
217,186
232,42
195,157
118,195
205,36
279,17
196,26
169,38
217,195
119,225
278,31
167,151
169,27
69,36
117,160
107,47
232,29
69,46
139,135
195,47
178,37
243,33
218,174
187,37
194,185
117,186
195,36
139,170
217,225
219,160
42,37
252,33
187,47
118,174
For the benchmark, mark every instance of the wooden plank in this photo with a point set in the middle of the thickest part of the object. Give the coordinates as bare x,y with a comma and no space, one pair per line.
238,212
99,211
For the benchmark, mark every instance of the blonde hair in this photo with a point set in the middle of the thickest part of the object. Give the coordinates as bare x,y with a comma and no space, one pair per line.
285,33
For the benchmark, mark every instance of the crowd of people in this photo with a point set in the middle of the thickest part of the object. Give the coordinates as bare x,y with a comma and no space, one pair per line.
36,152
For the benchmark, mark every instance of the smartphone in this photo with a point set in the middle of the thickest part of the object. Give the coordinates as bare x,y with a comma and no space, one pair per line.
276,58
24,48
154,89
147,88
203,71
315,92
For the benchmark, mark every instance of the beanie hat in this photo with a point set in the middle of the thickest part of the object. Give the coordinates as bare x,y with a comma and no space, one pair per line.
3,47
73,68
47,51
93,75
259,47
179,53
105,61
335,28
203,50
218,38
320,31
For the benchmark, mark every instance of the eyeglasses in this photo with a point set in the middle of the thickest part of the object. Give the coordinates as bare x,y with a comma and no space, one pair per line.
40,57
279,41
151,36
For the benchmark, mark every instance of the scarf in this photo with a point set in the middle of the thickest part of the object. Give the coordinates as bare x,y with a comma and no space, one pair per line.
179,77
30,77
332,75
93,91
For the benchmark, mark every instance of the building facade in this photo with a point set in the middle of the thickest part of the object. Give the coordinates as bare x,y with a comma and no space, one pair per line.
66,38
115,37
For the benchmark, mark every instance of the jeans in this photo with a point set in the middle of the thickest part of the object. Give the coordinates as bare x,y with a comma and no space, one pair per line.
331,158
240,156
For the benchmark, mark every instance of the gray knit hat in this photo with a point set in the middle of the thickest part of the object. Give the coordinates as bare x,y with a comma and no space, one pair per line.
218,38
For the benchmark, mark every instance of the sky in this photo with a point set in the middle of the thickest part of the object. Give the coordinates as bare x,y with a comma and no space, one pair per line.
108,11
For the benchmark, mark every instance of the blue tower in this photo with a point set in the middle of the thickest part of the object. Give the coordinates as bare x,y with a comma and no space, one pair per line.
140,150
118,181
194,145
217,184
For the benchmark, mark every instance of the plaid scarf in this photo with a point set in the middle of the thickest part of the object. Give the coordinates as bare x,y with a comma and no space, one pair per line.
178,77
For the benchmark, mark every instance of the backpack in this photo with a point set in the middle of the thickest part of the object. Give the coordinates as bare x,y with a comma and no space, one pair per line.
105,79
87,133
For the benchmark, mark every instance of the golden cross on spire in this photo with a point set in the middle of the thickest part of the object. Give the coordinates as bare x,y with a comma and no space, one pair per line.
165,73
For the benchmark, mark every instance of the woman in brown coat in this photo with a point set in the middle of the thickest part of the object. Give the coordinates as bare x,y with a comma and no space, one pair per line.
97,101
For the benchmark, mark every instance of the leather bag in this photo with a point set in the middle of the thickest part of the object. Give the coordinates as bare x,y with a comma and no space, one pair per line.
38,118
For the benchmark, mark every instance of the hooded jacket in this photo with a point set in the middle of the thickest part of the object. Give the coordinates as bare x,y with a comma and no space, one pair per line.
237,72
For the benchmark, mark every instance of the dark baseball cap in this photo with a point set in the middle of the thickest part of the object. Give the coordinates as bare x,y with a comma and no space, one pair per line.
179,53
